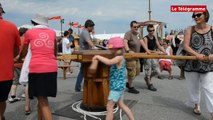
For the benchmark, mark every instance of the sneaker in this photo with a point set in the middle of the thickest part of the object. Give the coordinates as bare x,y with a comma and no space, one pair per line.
23,95
12,100
151,87
79,90
133,90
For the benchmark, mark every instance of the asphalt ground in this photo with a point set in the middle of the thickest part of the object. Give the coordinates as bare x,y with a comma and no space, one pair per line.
167,103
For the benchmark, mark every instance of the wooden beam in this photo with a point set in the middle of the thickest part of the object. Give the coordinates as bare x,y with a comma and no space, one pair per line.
156,56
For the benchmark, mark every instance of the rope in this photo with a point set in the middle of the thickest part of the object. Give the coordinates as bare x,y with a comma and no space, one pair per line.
76,107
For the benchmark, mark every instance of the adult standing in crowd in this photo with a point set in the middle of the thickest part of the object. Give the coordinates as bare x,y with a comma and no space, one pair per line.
9,48
151,66
71,38
133,42
23,77
178,42
17,71
66,49
198,41
43,65
85,43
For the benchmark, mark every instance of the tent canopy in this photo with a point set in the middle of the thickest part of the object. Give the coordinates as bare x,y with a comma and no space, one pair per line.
153,22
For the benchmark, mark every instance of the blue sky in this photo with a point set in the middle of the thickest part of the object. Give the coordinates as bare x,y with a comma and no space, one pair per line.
110,16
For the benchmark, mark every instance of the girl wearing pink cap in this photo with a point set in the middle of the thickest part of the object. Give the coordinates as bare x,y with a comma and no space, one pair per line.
117,77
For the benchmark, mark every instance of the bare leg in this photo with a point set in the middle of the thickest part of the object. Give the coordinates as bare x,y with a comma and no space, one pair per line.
67,69
2,109
212,116
44,108
125,109
13,90
110,106
130,82
39,114
182,75
170,73
27,100
70,69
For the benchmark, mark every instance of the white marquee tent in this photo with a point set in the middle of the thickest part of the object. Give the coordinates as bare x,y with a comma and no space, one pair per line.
28,26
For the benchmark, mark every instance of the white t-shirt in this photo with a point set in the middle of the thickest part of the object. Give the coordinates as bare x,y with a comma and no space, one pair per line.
66,50
168,53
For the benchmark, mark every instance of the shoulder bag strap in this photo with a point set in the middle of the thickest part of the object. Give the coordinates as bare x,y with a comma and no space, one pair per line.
192,31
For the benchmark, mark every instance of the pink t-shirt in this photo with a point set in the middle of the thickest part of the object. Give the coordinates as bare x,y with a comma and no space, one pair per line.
42,42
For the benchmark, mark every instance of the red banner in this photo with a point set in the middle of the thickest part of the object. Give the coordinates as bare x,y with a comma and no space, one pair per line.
75,25
55,18
188,8
81,27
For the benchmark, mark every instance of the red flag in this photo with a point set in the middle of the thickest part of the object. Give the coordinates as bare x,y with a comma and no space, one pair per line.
75,26
55,18
81,27
76,23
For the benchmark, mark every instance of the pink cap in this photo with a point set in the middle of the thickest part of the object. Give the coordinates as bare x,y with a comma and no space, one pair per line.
116,42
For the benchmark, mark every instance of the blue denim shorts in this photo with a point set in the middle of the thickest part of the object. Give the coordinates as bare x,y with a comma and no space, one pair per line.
115,96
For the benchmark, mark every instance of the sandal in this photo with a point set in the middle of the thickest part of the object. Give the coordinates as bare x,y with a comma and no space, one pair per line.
27,112
196,111
170,77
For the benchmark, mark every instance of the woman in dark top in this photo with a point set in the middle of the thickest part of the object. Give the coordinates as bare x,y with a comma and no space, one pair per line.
198,41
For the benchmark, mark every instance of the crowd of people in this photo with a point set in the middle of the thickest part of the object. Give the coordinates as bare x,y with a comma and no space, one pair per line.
37,48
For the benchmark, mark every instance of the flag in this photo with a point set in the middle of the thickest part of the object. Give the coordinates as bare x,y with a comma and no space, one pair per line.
75,25
55,18
81,26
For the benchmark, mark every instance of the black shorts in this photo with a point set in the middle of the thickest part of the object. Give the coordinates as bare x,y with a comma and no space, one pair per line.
5,89
42,84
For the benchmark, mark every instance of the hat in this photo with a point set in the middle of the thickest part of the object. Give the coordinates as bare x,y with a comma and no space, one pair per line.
2,8
115,42
40,19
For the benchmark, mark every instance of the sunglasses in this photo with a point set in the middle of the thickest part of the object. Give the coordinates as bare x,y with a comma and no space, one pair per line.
197,15
136,27
151,30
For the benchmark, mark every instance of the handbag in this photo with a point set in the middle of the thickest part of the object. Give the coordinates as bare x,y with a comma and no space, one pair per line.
25,68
